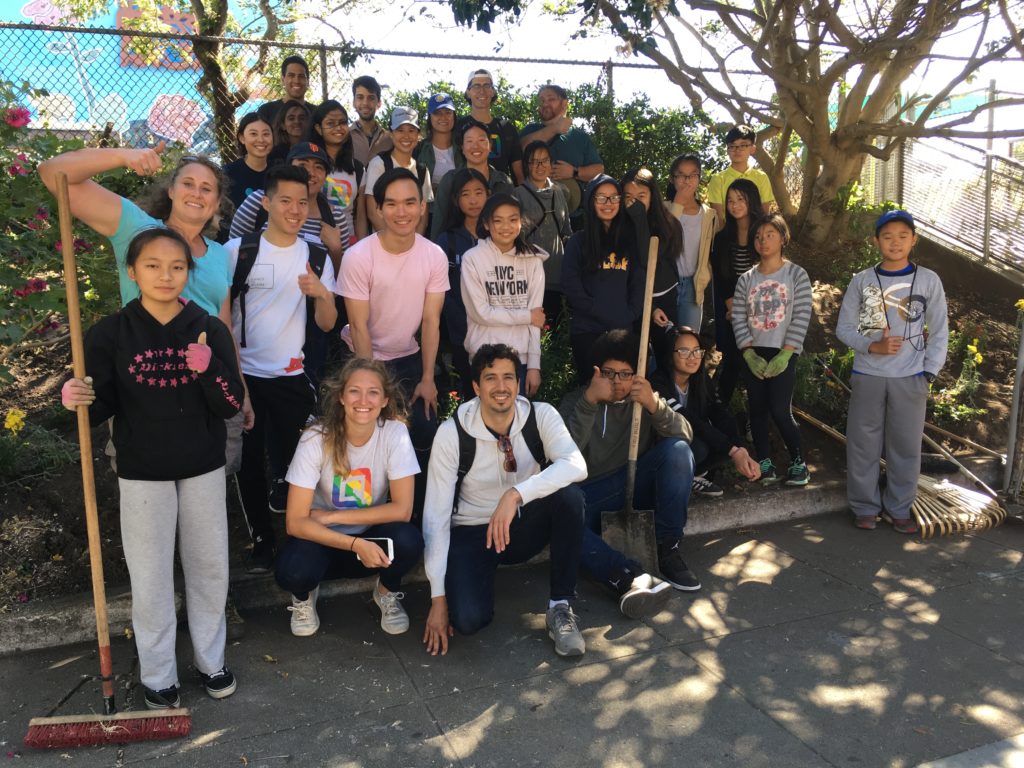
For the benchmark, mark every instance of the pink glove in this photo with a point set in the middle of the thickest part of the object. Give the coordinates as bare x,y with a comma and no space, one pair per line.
197,356
77,392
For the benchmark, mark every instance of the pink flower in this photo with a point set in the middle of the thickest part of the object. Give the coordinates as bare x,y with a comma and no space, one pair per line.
42,214
34,285
22,157
17,117
17,170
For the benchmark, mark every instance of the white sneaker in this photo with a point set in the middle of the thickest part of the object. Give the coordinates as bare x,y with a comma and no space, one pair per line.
305,621
393,618
646,596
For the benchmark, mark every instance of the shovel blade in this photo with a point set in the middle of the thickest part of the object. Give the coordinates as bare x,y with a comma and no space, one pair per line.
632,534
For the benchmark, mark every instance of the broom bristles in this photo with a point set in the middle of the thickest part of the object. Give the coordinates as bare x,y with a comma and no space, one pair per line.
94,730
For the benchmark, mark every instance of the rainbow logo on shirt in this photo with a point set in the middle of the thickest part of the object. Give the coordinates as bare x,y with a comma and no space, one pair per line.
354,491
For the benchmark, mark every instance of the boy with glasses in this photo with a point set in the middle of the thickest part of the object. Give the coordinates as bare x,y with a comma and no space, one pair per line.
599,418
741,143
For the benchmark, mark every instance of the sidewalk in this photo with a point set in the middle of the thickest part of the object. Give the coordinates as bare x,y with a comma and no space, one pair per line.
811,644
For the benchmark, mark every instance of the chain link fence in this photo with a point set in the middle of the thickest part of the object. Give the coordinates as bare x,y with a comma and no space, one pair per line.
965,198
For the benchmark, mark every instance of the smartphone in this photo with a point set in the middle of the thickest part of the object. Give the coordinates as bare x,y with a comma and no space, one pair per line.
388,545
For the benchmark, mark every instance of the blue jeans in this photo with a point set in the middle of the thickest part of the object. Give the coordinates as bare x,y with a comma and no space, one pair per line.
302,564
688,311
664,479
469,583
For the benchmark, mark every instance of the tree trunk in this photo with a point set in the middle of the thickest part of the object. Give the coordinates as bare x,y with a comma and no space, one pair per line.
821,219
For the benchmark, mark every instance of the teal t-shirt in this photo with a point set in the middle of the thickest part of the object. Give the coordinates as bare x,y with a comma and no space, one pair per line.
209,281
574,147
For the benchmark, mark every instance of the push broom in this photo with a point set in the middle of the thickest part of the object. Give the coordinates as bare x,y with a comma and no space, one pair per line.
111,727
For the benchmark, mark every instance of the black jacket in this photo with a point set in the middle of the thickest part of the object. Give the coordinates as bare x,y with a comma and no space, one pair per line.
711,421
169,421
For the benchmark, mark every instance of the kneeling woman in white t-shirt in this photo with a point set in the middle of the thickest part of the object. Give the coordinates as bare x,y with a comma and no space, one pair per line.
351,481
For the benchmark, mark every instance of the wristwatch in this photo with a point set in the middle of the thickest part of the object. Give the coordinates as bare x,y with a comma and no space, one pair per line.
575,172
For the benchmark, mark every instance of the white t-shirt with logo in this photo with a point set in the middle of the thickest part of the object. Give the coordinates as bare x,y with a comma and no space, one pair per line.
388,455
275,308
444,162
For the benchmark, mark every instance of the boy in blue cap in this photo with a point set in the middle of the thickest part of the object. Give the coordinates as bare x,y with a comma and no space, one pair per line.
894,318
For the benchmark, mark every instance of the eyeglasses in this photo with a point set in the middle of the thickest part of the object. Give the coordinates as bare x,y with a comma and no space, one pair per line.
332,124
737,147
605,199
685,354
611,375
685,176
505,446
481,87
541,162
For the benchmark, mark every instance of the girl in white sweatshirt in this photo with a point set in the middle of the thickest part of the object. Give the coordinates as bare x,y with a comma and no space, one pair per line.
503,288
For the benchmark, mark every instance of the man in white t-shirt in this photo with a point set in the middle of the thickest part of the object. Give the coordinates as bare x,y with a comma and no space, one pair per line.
393,283
269,318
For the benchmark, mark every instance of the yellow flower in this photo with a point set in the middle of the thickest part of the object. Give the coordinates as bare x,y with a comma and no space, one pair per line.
1019,305
978,358
972,349
15,420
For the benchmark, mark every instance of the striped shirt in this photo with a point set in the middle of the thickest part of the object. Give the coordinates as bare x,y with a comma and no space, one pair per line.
772,310
244,221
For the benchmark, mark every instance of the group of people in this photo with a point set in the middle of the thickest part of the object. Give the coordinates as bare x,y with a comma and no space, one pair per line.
303,354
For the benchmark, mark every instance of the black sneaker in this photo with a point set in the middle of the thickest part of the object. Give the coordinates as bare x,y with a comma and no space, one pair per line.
640,594
277,500
798,474
220,684
704,487
674,570
261,559
168,698
768,473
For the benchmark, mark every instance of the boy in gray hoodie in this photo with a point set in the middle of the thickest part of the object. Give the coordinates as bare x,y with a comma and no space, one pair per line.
894,318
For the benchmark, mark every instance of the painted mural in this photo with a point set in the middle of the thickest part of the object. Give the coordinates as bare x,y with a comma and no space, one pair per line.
92,79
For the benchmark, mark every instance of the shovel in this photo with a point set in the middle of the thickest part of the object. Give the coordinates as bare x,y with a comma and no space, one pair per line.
629,530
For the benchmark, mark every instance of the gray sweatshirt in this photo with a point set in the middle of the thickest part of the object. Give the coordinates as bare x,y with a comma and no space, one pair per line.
913,303
772,310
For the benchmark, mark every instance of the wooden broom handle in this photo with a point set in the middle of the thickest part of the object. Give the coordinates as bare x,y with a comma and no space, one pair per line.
645,337
85,439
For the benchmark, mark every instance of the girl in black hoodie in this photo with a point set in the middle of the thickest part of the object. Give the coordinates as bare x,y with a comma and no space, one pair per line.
166,370
602,274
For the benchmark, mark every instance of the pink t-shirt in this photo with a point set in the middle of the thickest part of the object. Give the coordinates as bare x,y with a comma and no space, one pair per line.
396,285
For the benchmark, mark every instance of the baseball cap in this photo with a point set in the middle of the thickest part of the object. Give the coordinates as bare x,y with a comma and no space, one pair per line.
479,73
404,116
305,150
890,216
440,101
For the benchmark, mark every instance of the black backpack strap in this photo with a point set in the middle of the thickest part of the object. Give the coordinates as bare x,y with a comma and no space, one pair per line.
467,452
531,434
545,212
248,250
326,214
317,260
389,164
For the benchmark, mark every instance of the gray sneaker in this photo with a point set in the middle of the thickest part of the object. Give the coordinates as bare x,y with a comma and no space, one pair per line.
561,622
305,620
393,618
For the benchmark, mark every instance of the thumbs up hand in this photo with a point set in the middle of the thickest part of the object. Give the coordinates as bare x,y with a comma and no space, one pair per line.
887,345
198,355
145,162
310,284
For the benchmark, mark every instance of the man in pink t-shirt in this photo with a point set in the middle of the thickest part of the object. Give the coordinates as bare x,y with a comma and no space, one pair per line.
393,283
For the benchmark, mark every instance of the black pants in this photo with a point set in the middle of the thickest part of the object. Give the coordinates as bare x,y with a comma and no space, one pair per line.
469,582
772,400
281,405
732,365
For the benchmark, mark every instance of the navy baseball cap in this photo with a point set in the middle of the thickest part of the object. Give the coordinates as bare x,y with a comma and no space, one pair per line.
305,150
440,101
890,216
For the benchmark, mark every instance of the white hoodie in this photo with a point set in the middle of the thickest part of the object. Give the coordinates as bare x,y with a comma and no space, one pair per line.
499,290
487,479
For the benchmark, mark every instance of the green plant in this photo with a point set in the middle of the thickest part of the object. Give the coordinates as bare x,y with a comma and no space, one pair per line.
558,374
32,297
817,393
955,405
31,452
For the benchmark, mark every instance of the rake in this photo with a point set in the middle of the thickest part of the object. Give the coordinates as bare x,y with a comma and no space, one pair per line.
112,727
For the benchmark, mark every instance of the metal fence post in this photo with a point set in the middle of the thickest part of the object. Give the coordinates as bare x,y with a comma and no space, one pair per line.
899,171
323,71
986,238
609,74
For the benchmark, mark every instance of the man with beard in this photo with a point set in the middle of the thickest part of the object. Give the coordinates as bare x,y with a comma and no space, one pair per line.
369,138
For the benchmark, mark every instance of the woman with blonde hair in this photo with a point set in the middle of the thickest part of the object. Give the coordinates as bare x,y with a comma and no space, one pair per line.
350,497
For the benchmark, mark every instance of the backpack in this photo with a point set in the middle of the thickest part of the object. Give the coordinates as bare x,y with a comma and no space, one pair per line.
248,249
326,214
467,450
389,165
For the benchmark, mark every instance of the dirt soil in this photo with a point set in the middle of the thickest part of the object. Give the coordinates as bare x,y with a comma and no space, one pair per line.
43,549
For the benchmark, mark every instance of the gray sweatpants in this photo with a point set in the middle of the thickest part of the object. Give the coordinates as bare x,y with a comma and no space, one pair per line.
150,513
884,414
